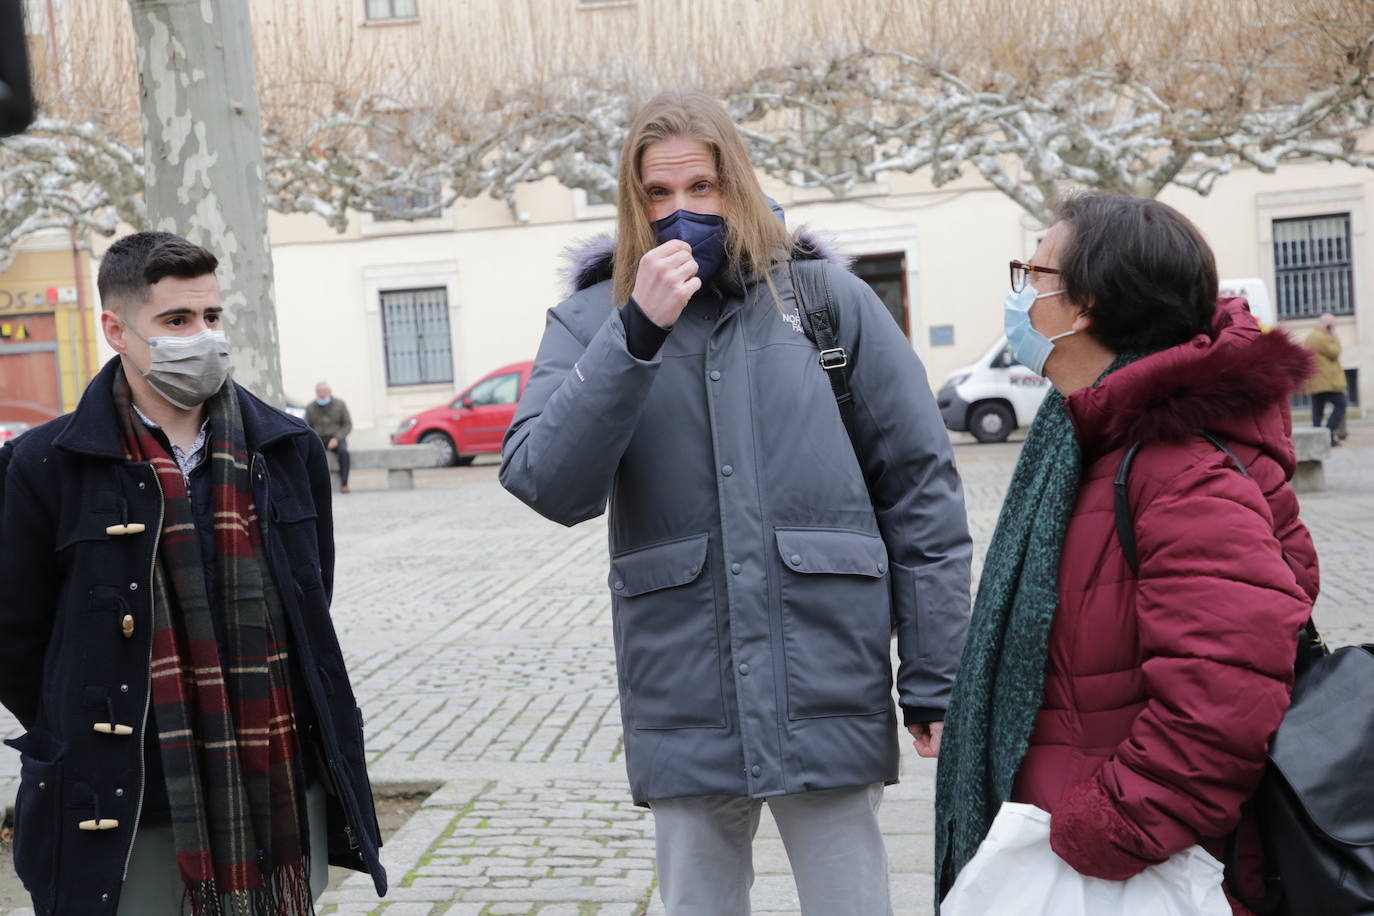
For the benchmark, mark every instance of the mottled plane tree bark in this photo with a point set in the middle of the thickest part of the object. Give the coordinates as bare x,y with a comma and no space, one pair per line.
203,160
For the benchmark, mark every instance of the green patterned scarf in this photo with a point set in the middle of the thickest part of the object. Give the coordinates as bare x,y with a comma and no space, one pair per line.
1001,680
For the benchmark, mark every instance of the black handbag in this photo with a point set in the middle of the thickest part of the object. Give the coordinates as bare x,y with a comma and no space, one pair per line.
1315,802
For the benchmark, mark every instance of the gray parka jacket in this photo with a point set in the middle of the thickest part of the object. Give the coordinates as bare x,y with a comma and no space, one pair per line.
756,577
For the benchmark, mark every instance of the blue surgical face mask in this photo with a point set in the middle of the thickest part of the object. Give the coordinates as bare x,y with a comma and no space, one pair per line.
1029,346
324,402
705,232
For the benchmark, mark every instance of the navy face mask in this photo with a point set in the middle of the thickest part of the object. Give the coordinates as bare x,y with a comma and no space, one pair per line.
705,232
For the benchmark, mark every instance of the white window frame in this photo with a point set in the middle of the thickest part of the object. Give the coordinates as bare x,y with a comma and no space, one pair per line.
390,20
372,225
381,278
1279,205
891,240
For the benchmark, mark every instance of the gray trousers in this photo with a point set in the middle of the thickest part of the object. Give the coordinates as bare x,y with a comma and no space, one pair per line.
706,863
154,888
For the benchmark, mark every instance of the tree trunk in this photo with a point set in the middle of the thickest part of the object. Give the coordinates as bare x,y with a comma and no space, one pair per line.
203,148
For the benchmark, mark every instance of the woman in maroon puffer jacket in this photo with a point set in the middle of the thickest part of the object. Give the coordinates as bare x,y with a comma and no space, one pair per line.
1160,691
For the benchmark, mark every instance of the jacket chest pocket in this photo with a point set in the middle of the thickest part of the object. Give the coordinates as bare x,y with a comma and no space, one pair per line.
667,635
111,537
836,622
104,516
295,519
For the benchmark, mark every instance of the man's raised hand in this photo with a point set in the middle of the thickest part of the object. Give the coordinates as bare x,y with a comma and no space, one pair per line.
666,280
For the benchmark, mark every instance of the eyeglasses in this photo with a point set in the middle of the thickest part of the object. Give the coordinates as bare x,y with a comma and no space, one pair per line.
1020,273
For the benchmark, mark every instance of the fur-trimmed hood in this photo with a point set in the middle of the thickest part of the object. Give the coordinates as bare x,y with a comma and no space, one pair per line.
1235,381
592,260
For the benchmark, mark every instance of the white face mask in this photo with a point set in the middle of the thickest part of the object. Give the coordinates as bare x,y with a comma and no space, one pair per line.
186,371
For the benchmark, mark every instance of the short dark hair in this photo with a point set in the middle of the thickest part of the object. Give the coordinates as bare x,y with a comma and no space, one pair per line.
137,261
1149,275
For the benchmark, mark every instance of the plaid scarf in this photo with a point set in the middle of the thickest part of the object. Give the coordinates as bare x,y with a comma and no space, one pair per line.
226,727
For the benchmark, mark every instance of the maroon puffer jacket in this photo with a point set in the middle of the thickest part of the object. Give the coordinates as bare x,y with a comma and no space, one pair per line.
1162,691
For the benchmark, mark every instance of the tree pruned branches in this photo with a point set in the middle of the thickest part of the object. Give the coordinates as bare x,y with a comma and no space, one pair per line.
1068,95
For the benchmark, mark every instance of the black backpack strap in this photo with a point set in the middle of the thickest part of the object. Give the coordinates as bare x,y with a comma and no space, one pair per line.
1221,446
1125,525
820,323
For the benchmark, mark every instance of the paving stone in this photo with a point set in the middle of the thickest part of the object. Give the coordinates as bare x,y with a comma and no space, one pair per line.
478,639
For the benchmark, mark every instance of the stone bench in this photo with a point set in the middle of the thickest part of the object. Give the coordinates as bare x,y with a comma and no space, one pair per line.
399,462
1313,446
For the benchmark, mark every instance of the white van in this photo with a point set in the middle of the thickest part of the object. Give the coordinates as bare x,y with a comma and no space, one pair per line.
1256,294
995,394
992,395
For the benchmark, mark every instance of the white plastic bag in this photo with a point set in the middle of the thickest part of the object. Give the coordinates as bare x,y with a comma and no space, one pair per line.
1016,873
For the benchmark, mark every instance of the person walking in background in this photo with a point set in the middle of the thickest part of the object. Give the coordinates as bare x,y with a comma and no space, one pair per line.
328,417
1328,386
167,554
1134,707
760,559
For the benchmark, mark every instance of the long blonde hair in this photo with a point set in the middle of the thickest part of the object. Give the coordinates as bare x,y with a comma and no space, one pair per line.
756,238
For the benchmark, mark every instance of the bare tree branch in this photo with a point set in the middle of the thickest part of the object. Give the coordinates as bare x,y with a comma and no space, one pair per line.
1038,99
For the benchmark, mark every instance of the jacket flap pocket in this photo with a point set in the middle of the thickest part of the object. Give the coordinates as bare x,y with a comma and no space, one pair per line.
92,524
38,745
825,550
660,566
287,508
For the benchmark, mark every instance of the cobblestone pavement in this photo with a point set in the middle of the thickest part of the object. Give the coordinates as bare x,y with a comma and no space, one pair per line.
479,642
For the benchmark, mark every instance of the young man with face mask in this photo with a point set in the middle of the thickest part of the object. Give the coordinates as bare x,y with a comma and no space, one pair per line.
165,639
761,560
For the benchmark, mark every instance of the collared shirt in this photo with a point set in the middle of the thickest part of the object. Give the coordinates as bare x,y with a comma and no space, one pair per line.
187,459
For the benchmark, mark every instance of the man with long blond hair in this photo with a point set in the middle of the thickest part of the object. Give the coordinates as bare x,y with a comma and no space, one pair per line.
760,557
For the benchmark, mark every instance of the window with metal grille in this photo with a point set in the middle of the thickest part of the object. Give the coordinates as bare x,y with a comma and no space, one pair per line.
1312,266
415,334
391,9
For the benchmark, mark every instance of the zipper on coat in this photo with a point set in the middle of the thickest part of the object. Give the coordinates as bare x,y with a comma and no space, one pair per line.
148,700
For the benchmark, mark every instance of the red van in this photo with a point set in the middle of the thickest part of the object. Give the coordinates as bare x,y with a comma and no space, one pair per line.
476,420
